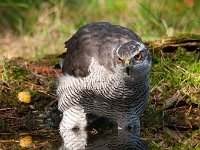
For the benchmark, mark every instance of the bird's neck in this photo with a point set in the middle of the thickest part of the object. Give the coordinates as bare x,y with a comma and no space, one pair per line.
137,77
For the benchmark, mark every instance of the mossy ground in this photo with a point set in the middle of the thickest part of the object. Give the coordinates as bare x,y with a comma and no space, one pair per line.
19,119
171,120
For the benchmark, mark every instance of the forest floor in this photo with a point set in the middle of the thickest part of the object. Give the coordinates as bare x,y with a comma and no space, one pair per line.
171,120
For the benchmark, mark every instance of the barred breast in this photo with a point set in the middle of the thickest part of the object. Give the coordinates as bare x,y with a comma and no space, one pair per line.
103,93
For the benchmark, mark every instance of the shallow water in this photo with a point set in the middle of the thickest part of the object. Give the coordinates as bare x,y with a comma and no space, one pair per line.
42,132
74,140
114,140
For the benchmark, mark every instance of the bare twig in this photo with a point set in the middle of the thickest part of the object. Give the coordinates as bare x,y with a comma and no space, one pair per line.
7,141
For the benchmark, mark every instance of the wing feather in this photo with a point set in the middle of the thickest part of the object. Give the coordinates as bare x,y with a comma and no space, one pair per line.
97,40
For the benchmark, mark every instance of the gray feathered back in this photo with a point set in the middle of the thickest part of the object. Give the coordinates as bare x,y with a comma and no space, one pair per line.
98,40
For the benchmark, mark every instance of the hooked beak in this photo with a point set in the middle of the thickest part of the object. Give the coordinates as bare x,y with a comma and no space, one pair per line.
128,70
127,63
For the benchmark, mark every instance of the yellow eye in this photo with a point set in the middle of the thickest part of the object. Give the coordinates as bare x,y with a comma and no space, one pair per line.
138,57
119,60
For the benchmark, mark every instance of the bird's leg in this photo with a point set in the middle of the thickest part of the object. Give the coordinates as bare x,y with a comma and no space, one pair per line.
73,118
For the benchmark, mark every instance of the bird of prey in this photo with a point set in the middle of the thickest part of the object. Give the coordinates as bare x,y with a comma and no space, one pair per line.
106,73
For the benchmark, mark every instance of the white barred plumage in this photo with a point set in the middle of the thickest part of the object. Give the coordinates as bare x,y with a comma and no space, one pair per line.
102,85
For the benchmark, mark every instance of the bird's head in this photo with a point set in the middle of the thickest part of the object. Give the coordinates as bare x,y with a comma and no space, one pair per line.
133,59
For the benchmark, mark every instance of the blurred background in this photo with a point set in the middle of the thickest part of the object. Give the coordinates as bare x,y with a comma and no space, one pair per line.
35,28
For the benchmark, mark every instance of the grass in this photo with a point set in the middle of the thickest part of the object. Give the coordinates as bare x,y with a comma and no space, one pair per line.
174,98
42,27
179,71
12,73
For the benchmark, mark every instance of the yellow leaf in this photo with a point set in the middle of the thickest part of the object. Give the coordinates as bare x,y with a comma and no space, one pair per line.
24,97
26,141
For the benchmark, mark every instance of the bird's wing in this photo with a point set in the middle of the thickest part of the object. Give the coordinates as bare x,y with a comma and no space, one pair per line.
97,40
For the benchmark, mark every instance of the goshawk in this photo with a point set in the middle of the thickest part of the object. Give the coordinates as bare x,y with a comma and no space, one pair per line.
105,72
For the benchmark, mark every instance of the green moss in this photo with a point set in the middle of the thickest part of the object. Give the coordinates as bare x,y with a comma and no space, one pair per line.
13,72
179,71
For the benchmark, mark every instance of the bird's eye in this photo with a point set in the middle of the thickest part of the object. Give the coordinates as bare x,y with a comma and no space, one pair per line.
119,60
138,57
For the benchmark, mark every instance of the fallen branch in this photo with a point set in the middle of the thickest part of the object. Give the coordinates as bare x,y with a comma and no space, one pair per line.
190,42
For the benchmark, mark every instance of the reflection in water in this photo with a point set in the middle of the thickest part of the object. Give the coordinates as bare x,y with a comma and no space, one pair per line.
118,140
73,140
